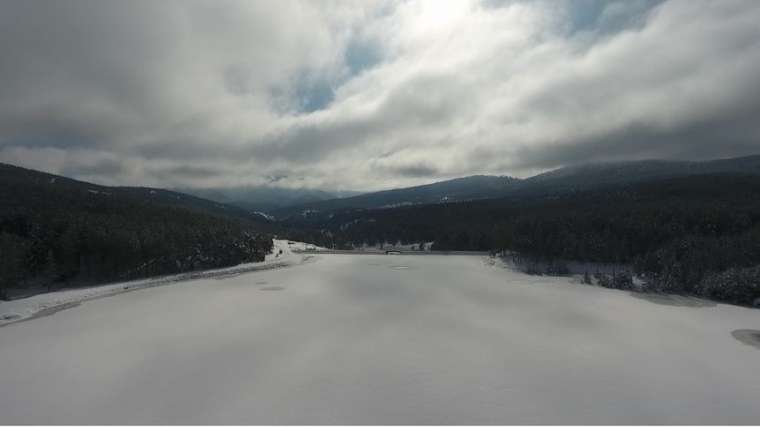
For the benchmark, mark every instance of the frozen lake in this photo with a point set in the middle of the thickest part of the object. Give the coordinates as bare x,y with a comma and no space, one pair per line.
382,339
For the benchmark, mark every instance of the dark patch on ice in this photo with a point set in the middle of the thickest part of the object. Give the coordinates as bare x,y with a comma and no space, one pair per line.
272,288
673,300
750,337
262,282
10,316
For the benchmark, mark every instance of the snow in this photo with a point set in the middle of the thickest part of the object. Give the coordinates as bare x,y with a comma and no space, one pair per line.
13,311
376,339
398,205
265,215
301,246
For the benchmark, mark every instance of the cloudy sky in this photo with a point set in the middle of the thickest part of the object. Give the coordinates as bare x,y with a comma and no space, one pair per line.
362,95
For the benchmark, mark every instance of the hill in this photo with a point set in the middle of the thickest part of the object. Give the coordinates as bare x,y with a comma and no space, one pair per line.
455,190
263,199
696,234
599,175
57,232
567,179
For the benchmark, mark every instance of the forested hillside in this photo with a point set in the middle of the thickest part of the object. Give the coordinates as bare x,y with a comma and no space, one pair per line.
599,175
560,181
57,232
459,189
683,234
261,198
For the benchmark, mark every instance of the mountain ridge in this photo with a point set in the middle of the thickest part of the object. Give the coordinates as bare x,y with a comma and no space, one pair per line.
58,232
11,174
568,178
457,189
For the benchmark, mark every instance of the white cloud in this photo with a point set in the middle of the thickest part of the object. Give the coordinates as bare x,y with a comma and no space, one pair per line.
215,93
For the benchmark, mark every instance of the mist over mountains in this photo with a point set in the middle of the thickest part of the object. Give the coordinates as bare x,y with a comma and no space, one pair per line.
265,199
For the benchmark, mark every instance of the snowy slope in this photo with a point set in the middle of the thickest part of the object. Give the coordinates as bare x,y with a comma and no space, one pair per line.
377,339
48,303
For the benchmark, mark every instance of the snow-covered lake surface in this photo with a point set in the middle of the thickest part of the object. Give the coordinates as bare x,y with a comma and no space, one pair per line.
382,339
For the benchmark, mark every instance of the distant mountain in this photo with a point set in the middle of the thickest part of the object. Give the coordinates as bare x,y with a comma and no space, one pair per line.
412,208
597,175
264,199
562,180
23,184
56,232
696,234
454,190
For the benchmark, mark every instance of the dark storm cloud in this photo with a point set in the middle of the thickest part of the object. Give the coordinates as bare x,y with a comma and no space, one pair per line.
309,143
275,178
709,140
188,171
102,167
416,171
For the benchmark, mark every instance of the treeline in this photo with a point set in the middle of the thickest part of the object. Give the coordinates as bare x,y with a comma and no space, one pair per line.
75,250
69,235
687,235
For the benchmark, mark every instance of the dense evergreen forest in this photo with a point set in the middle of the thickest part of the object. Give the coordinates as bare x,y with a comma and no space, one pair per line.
57,232
696,234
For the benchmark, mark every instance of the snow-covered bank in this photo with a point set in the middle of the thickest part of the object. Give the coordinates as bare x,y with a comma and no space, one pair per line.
47,303
377,339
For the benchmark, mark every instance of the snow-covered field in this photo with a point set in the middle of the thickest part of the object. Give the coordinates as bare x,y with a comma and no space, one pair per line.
382,339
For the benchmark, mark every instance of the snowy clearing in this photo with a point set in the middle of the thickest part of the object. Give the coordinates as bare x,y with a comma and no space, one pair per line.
382,339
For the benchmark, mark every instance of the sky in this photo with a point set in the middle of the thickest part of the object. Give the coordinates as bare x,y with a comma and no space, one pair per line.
370,95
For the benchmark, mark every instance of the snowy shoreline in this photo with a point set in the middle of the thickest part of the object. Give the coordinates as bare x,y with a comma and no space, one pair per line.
45,304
